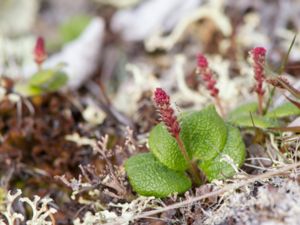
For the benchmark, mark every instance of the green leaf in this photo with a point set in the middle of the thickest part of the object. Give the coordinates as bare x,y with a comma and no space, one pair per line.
284,110
27,90
203,134
255,121
41,78
245,116
165,148
243,110
59,80
43,81
48,80
71,29
149,177
220,167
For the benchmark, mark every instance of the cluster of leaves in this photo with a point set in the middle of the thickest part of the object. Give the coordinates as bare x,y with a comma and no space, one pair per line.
246,116
216,146
43,81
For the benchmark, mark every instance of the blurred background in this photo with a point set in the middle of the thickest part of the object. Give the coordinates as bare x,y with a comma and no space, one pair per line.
114,54
111,33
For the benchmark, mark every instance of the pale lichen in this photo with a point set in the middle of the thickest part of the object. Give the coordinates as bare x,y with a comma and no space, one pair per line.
42,212
128,212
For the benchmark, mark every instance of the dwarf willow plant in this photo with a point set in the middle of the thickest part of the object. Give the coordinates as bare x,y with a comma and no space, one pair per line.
202,147
256,114
44,80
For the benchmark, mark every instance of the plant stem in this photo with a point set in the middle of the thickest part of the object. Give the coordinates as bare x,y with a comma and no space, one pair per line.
219,106
192,166
260,104
269,101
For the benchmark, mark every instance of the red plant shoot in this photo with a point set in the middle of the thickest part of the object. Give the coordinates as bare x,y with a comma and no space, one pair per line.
40,54
258,55
210,82
168,117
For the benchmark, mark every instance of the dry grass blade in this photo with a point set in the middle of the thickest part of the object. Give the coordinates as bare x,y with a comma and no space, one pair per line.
288,129
294,102
281,82
280,71
286,58
287,86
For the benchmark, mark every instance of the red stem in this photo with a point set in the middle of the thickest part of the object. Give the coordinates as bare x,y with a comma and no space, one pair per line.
192,166
260,104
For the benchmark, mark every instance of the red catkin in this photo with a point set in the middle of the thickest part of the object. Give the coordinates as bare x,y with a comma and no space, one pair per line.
40,54
168,117
207,75
210,82
258,55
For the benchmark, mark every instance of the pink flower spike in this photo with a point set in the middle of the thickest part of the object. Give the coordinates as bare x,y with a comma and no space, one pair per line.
162,101
258,55
40,54
202,61
210,82
161,97
207,75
